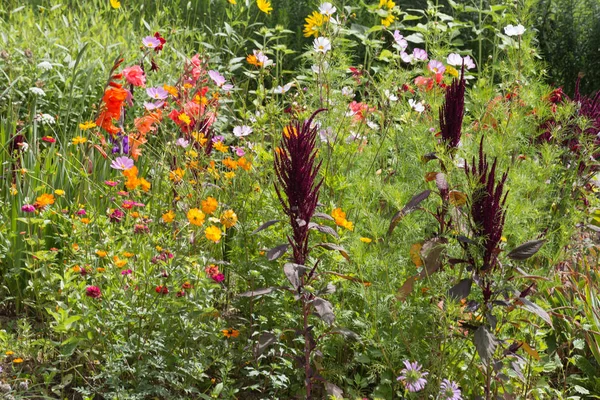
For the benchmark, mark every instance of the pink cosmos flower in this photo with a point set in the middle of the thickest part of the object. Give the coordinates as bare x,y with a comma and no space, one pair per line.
420,54
135,75
239,151
436,67
122,163
153,106
217,78
28,208
111,183
151,42
400,41
157,93
181,142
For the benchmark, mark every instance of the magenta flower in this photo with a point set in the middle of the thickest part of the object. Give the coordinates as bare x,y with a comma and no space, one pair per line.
151,42
122,163
412,377
81,212
116,216
93,292
239,151
126,272
420,54
28,208
218,277
111,183
449,391
157,93
436,67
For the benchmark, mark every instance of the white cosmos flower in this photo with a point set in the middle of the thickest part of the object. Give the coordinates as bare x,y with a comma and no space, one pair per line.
327,9
514,30
242,130
319,69
391,96
283,89
416,105
322,45
347,91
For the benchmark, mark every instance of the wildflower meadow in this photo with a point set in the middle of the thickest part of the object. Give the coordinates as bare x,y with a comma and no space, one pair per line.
263,199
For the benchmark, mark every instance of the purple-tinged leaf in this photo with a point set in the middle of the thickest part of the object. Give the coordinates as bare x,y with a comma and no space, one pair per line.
293,272
265,340
441,182
277,252
526,250
347,333
335,247
407,288
408,208
323,216
259,292
334,391
432,255
265,225
324,310
534,308
324,229
428,157
485,343
461,290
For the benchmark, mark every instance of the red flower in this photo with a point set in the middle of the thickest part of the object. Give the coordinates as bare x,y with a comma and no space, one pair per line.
49,139
162,42
93,292
162,289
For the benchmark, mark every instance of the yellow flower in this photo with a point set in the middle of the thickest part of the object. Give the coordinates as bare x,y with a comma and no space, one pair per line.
9,353
452,71
13,189
230,333
389,4
200,138
87,125
229,218
100,269
213,233
168,217
115,4
79,140
172,90
313,23
176,175
232,2
18,360
366,240
101,253
120,263
59,192
219,146
195,216
264,6
229,175
229,163
209,205
183,117
388,20
244,164
128,254
145,184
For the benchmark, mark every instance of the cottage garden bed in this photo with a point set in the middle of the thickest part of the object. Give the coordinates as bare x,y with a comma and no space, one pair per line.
403,209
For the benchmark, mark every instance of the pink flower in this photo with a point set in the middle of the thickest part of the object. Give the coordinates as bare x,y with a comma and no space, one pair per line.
400,41
126,272
28,208
81,212
420,54
135,75
436,67
111,183
151,42
217,78
153,106
93,292
157,93
122,163
218,277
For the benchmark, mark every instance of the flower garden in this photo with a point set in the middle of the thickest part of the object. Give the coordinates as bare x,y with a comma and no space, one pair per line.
251,199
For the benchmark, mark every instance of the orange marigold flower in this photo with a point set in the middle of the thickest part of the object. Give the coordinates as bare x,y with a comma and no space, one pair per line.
44,200
209,205
213,233
219,146
244,163
145,185
20,360
172,90
195,216
169,216
229,218
230,333
176,175
252,60
229,163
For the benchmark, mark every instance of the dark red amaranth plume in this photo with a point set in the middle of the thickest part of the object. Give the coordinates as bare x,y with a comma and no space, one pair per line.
589,107
297,187
453,111
487,206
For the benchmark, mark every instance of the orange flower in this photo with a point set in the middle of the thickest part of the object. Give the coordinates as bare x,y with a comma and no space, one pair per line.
244,163
196,217
219,146
340,219
209,205
176,175
229,218
168,217
230,163
112,104
213,233
252,60
230,333
44,200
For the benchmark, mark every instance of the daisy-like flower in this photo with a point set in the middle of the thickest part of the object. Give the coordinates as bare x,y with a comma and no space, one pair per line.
327,9
230,333
416,105
217,78
241,131
457,61
157,93
449,391
407,58
420,54
264,6
151,42
283,89
122,163
322,45
148,105
436,67
511,30
181,142
412,377
400,41
319,69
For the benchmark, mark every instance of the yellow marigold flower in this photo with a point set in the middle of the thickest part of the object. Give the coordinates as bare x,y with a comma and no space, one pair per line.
388,20
230,163
187,86
348,225
209,205
313,23
101,253
252,60
172,90
244,163
229,218
18,360
168,217
183,117
389,4
9,353
192,154
366,240
44,200
100,269
59,192
232,2
79,140
120,263
213,233
229,175
87,125
13,189
264,6
200,138
219,146
85,220
452,71
176,175
145,185
128,254
195,216
76,268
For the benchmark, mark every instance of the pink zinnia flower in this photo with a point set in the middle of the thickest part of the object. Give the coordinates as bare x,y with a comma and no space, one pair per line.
111,183
122,163
28,208
135,75
81,212
218,277
93,292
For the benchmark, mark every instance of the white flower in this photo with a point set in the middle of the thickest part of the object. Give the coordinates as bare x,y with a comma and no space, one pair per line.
44,66
353,137
454,59
319,69
469,63
45,119
401,43
322,45
514,30
347,91
326,135
182,142
407,58
37,91
283,89
416,105
327,9
242,130
391,96
372,124
262,58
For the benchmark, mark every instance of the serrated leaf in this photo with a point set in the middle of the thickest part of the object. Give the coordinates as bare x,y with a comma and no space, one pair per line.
277,252
526,250
408,208
485,343
265,225
324,310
